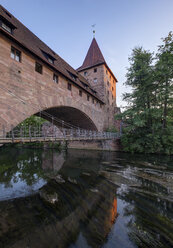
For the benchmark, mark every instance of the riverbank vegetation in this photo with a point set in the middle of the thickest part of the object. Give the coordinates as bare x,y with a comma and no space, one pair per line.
148,119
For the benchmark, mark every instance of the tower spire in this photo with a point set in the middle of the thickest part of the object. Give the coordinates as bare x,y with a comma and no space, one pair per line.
93,26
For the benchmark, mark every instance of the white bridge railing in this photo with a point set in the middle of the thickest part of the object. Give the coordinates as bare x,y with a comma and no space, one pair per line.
31,133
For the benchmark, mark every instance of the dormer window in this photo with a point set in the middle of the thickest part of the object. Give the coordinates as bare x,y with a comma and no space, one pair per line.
50,60
6,27
85,85
73,76
49,57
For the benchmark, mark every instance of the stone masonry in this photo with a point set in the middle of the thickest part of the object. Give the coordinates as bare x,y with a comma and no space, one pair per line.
89,103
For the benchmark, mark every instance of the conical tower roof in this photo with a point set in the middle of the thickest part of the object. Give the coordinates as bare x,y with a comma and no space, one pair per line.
94,56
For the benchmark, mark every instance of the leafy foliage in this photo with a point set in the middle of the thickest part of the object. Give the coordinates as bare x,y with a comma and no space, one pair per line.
32,121
148,121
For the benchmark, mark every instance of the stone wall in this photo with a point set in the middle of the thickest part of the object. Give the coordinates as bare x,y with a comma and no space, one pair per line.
24,92
103,145
106,88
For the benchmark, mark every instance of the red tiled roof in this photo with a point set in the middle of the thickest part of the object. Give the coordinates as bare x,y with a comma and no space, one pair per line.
94,56
31,42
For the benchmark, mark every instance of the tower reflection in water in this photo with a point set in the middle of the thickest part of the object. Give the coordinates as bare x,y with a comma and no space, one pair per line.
76,207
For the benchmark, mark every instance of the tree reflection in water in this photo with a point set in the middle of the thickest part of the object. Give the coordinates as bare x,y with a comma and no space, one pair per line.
84,199
81,202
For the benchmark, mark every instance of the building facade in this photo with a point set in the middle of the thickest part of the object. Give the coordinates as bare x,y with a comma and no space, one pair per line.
34,79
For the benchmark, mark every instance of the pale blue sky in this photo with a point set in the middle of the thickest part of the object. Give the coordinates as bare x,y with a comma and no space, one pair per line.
65,26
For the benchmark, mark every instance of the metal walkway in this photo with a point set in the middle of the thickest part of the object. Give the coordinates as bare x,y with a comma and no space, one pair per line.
52,134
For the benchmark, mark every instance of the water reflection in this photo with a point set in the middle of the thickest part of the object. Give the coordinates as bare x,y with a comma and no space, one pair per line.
68,199
79,199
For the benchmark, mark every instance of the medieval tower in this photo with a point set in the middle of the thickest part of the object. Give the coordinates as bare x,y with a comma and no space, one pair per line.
102,80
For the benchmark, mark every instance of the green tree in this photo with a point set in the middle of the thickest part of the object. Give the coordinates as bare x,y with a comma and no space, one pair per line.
149,117
164,76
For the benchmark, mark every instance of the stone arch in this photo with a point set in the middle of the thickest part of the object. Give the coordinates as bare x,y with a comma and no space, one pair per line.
63,108
71,115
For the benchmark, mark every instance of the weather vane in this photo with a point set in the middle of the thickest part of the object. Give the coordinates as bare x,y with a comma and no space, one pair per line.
93,26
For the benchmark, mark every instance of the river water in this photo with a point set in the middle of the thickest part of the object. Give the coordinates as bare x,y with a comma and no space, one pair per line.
84,199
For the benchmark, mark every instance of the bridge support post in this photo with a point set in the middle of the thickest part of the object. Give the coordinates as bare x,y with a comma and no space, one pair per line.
4,134
12,134
30,133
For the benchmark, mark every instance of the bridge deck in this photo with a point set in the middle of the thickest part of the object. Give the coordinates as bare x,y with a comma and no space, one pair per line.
46,139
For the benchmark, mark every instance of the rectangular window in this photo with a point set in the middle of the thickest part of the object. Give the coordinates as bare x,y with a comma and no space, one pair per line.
88,97
69,86
6,27
93,100
107,83
112,88
95,80
85,73
95,69
80,92
38,68
55,78
15,54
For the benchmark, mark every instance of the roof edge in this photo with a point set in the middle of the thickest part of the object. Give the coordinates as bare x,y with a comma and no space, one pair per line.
44,61
104,63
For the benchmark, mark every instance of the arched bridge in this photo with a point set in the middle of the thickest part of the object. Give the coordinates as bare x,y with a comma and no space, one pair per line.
25,92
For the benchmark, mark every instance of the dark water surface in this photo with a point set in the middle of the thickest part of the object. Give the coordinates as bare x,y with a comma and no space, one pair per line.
84,199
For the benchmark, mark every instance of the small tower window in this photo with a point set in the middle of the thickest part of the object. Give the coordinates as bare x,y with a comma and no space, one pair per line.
95,80
38,68
69,86
55,78
95,69
85,73
80,92
15,54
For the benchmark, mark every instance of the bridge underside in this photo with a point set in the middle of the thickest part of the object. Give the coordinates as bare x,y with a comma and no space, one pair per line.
72,116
